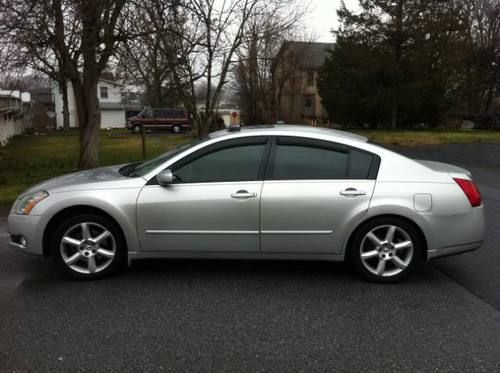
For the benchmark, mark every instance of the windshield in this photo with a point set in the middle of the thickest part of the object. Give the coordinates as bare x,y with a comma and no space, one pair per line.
141,169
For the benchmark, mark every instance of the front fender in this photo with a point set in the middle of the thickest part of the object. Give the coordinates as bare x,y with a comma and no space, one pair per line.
120,204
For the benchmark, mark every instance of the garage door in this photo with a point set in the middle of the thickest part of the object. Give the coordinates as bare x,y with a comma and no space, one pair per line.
112,118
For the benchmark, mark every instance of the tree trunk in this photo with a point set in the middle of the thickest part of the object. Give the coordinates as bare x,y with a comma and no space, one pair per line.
64,90
88,122
394,116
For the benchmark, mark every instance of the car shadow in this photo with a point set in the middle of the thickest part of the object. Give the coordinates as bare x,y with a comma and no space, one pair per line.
42,274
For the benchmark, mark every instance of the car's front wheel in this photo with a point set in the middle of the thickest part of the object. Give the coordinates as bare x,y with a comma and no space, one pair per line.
89,246
386,249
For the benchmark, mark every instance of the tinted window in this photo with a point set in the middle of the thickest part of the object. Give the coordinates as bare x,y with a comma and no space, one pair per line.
146,167
238,163
360,164
294,162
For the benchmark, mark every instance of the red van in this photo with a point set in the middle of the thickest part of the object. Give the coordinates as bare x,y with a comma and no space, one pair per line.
175,120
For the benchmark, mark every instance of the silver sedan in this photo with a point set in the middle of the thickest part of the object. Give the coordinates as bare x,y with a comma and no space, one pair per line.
275,192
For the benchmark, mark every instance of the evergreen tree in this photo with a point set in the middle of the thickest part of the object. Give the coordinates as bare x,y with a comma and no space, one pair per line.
395,63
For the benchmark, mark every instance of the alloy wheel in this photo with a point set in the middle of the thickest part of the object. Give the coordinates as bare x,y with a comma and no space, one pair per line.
88,248
386,250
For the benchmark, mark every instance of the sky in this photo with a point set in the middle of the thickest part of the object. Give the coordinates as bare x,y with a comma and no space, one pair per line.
324,17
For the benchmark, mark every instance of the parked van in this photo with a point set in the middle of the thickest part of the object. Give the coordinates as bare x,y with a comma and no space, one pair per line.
175,120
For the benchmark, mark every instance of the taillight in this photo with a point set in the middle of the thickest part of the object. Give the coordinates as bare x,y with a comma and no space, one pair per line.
471,191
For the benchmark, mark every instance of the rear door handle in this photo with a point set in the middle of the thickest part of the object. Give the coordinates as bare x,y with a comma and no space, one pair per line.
352,192
243,194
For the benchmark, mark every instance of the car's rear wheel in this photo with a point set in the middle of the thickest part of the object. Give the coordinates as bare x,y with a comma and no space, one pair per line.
176,129
386,249
89,246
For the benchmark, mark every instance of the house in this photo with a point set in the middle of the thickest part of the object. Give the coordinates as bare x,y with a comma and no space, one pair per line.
297,66
229,113
15,114
42,107
109,94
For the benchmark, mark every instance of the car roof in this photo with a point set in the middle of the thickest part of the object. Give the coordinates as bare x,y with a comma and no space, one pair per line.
286,129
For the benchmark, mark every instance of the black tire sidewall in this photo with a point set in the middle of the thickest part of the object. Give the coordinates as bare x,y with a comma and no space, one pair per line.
360,233
119,259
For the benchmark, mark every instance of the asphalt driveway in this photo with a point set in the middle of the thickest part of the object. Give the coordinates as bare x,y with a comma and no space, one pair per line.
252,316
478,271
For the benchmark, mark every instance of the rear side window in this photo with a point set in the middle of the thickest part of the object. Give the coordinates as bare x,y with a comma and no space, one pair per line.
306,162
360,164
303,159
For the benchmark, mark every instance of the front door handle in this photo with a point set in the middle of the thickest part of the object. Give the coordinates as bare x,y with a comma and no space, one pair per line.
352,192
243,194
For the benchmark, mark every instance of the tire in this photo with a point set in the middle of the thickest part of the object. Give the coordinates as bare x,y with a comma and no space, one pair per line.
379,258
176,129
84,251
136,128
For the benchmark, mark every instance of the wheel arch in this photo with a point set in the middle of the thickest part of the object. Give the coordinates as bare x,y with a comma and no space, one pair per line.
69,211
408,220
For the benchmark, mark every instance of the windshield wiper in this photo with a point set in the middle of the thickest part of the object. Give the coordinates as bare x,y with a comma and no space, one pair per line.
129,168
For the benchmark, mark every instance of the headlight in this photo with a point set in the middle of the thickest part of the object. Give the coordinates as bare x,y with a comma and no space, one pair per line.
27,202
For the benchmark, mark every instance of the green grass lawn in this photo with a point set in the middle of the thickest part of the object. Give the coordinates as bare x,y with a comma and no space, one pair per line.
429,137
27,160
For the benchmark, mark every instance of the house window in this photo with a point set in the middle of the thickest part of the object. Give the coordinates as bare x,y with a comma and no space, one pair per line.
310,78
308,109
104,92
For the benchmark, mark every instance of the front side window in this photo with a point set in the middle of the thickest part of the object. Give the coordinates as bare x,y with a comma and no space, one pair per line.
236,163
141,169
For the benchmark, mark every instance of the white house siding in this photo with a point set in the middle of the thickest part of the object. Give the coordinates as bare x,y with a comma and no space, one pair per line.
112,118
11,127
114,98
58,106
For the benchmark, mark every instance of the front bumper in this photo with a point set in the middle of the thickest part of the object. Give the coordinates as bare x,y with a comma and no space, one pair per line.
29,227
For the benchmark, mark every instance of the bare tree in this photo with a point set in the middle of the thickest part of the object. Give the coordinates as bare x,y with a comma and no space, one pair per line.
203,37
26,34
70,39
142,60
483,63
258,82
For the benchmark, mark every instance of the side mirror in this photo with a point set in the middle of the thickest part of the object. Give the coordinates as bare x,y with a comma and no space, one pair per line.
165,178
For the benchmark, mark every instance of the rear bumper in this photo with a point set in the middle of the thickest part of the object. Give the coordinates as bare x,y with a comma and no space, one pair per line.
456,234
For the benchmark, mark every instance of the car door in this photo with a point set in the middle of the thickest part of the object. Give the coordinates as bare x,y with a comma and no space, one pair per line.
313,190
148,117
214,204
160,118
